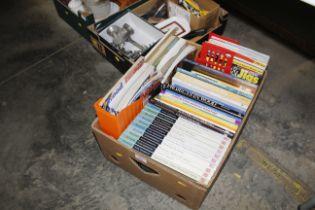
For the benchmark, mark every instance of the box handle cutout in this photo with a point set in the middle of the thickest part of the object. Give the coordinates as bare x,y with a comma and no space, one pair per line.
114,158
144,168
181,197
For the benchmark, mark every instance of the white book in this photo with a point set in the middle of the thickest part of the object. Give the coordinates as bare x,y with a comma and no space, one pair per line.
187,50
186,165
193,140
205,154
122,99
186,137
170,56
210,134
188,161
183,169
204,174
184,156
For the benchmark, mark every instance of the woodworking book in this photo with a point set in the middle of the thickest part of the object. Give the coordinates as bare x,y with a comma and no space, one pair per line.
230,57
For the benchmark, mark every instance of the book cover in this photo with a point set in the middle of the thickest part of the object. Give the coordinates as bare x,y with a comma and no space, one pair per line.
215,82
230,79
204,100
209,90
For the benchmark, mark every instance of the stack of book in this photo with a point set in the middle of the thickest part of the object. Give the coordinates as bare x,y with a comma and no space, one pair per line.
177,142
190,123
229,56
208,95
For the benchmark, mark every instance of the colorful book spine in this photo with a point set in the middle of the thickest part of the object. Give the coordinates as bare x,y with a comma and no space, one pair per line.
232,127
243,84
215,82
181,144
204,100
181,113
196,104
225,95
148,129
209,95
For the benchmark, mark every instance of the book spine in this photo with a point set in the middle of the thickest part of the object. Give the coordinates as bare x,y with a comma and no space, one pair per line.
245,64
218,122
179,166
216,100
209,71
177,98
214,82
204,100
186,115
225,95
245,74
194,103
259,60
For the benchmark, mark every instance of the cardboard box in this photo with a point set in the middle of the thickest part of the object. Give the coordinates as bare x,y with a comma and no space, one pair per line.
141,32
84,24
223,18
107,51
78,22
81,21
206,21
123,64
215,18
178,186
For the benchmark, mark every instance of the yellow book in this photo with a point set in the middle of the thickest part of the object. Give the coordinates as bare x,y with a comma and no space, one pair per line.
215,120
247,66
228,96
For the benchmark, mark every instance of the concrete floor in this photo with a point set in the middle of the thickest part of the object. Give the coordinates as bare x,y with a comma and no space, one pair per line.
49,79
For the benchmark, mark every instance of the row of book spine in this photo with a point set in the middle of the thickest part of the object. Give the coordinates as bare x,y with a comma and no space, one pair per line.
179,143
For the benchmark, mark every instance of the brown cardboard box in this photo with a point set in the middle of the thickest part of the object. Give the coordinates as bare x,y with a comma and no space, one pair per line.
82,20
210,21
178,186
168,181
161,177
206,21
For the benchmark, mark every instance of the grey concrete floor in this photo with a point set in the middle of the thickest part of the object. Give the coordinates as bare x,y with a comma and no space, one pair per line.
49,79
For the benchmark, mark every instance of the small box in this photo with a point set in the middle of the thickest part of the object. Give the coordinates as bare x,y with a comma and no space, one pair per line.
141,35
146,34
121,62
84,24
217,16
82,20
205,21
